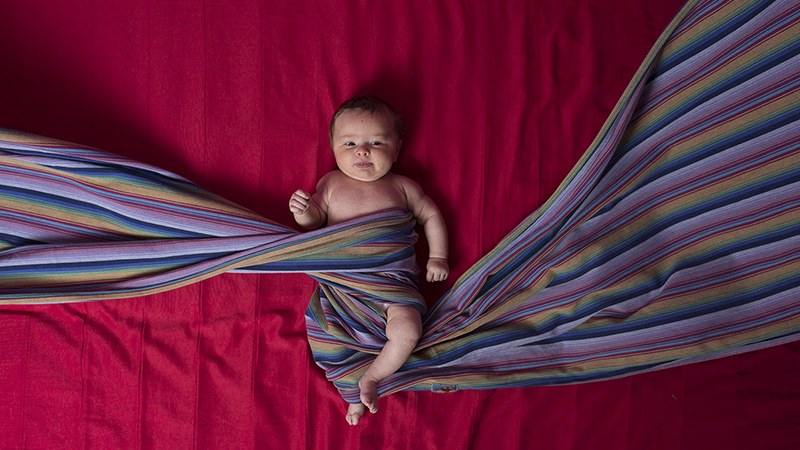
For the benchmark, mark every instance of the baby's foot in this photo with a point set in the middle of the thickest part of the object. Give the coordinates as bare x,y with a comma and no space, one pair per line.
369,393
354,412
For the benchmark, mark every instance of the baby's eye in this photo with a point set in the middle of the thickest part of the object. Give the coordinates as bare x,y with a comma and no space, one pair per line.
376,143
349,144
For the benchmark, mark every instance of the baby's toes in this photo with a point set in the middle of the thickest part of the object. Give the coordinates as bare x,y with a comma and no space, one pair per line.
354,413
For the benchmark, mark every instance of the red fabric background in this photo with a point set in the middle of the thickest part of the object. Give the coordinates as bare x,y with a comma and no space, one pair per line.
501,98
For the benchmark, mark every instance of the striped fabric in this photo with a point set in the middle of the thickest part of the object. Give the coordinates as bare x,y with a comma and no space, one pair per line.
675,238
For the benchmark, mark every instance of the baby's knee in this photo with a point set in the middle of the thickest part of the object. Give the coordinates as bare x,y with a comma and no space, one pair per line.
403,324
408,331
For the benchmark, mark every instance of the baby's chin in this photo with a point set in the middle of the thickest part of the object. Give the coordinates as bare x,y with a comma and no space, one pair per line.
364,175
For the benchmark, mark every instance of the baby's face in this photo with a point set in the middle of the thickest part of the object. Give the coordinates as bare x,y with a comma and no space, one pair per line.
365,145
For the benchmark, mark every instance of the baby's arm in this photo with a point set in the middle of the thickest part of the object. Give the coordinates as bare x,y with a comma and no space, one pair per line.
309,210
432,222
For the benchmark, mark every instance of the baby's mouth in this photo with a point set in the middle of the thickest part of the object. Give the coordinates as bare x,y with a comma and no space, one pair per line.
363,164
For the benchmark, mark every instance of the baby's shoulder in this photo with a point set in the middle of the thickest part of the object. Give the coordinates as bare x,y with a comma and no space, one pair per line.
330,180
333,175
407,185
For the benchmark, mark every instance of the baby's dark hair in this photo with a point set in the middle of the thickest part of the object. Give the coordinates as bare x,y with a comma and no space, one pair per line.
371,105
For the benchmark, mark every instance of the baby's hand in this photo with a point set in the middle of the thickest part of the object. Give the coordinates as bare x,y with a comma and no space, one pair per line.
437,269
300,202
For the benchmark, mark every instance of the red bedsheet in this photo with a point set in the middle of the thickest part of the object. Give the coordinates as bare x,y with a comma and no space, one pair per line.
501,98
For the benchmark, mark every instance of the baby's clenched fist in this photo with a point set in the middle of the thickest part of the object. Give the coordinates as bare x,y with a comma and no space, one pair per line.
299,202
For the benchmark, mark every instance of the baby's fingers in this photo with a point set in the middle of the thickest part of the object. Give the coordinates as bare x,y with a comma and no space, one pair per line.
298,209
437,270
301,194
436,276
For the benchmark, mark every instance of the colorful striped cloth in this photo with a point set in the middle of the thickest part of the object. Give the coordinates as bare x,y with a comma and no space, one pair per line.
675,238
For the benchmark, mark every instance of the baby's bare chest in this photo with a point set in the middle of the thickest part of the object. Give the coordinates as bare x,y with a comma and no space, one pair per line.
350,200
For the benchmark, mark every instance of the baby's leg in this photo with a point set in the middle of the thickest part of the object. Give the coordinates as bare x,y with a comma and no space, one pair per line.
403,328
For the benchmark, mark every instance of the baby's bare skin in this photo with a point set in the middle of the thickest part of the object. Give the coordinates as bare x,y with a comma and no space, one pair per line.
365,146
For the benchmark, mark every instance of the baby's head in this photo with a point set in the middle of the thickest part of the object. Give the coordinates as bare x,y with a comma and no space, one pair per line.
366,136
371,105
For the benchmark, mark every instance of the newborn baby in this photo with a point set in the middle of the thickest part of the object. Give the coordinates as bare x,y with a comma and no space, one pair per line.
365,135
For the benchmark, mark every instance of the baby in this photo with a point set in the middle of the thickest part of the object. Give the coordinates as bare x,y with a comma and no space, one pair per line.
365,135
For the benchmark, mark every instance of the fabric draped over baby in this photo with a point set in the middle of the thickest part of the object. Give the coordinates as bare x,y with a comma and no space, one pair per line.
675,239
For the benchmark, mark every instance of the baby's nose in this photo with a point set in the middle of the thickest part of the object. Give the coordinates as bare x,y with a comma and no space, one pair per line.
362,150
